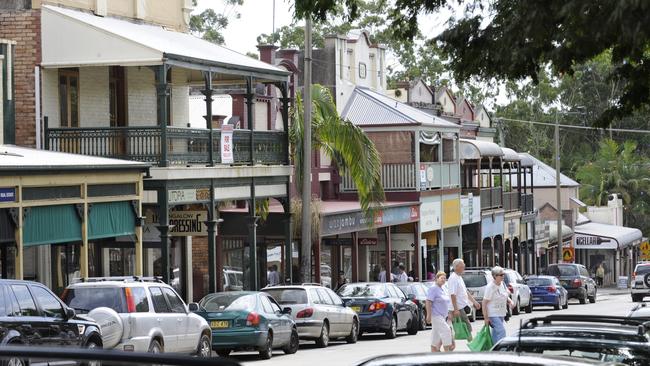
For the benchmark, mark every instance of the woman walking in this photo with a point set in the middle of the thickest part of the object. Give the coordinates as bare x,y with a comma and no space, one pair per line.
495,301
438,304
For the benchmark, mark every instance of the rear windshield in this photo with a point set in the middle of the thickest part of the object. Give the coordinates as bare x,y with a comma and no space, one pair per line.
539,282
85,299
625,355
228,301
642,269
563,271
362,290
474,279
288,296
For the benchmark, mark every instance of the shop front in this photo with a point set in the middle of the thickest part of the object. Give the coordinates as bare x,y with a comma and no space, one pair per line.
512,244
470,219
491,251
430,226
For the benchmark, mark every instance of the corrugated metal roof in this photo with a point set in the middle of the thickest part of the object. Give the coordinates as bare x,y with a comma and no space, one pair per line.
474,149
23,158
510,155
625,236
544,175
369,108
166,42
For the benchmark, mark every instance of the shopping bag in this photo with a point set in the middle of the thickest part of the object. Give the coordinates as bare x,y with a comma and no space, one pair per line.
461,331
482,341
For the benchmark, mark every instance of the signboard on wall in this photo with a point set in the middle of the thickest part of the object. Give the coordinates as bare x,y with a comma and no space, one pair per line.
430,212
8,194
470,209
193,195
585,241
227,155
357,221
185,223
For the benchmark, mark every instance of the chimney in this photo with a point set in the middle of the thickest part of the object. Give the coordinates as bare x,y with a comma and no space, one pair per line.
267,53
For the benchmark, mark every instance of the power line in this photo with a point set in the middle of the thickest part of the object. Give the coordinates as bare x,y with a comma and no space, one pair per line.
626,130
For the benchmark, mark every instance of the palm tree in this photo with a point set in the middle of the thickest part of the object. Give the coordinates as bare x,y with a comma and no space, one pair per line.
348,147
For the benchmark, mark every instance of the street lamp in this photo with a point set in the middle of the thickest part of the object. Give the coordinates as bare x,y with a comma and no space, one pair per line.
580,111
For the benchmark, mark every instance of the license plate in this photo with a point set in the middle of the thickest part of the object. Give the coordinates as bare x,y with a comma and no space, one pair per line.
219,324
356,309
536,299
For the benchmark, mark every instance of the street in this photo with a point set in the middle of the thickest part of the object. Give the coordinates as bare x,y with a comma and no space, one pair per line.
610,302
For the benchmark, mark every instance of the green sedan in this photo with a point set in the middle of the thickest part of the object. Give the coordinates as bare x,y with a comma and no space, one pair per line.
245,321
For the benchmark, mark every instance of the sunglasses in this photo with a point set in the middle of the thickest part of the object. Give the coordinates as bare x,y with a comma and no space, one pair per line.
501,275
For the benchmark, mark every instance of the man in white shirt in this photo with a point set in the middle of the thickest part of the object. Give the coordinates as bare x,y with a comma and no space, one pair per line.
402,277
460,297
273,277
382,275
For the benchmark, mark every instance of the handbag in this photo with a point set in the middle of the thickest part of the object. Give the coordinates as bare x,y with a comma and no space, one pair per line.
482,341
461,331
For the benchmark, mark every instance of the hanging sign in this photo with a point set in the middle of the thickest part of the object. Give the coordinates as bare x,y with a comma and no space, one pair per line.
184,223
568,255
227,155
7,194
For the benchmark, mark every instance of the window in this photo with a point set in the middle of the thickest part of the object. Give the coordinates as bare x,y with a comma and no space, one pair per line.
315,297
85,299
325,297
226,301
274,305
4,301
139,296
335,298
288,296
176,304
158,300
266,305
25,300
362,70
69,97
448,150
583,272
429,153
49,304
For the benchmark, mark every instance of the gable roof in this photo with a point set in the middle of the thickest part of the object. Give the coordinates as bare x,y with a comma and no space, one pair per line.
369,108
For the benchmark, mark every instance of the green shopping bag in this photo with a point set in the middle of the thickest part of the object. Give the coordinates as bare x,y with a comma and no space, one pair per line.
482,341
461,331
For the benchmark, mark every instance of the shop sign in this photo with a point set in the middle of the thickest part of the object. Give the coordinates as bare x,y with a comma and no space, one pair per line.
430,212
188,195
185,223
227,155
357,221
368,241
335,241
7,194
584,241
470,209
451,212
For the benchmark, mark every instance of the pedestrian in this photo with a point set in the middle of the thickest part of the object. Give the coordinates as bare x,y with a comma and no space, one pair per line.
395,269
382,275
461,299
341,281
431,272
438,315
600,274
273,277
402,276
495,301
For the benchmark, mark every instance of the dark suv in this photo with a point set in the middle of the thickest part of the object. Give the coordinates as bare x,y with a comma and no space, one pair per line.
30,314
575,279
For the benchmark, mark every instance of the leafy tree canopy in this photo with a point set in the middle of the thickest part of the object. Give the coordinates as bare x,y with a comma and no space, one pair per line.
521,39
209,24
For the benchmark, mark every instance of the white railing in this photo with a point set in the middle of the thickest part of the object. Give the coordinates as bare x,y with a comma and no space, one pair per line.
411,177
394,177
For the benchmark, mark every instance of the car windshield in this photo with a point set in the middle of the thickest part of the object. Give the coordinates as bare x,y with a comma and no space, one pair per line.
474,279
642,269
564,271
288,296
539,282
362,290
228,301
86,299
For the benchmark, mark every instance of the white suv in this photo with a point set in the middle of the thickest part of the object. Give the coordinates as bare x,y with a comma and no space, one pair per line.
640,282
140,315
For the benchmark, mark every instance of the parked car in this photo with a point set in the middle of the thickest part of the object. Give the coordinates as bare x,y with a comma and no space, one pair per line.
417,292
140,315
31,315
640,311
382,307
575,279
246,320
476,281
547,291
520,292
640,282
598,338
471,311
474,359
233,279
319,313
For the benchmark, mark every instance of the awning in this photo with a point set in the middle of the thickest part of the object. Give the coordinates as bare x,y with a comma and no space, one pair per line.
72,38
51,225
510,155
526,161
552,232
602,236
110,219
476,149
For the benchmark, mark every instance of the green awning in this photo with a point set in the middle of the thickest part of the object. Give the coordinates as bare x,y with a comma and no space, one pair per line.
110,219
51,225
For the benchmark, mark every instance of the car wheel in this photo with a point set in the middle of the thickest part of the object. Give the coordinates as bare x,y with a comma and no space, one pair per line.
423,320
529,307
266,352
592,299
156,347
294,343
15,361
93,345
392,331
204,348
414,326
224,352
583,300
516,309
324,338
354,332
566,303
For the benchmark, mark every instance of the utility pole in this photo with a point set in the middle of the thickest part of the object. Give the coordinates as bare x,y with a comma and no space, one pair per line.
557,188
305,260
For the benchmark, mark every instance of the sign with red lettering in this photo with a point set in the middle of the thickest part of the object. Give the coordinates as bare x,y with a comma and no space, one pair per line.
227,145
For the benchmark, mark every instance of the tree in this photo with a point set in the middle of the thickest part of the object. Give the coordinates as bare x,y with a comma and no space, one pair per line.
346,144
618,169
209,24
520,39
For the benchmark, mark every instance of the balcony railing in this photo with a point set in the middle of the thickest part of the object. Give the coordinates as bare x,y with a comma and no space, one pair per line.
185,146
410,177
511,201
490,197
526,203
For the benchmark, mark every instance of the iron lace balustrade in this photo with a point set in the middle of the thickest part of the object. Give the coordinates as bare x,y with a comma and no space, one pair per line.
185,146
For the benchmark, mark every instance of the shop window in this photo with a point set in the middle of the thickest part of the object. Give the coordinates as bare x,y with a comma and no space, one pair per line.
65,265
429,153
69,97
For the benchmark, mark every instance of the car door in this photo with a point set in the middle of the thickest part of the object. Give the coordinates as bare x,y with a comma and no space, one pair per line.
401,308
591,284
332,312
166,321
275,323
63,331
188,339
286,322
344,314
34,328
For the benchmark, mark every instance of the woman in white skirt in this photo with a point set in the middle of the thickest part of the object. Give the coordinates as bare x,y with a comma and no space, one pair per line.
438,303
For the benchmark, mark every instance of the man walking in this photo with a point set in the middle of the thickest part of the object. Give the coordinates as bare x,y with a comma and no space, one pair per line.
460,297
273,277
402,277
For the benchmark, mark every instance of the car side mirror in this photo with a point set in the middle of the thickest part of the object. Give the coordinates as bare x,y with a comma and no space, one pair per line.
346,303
286,311
411,297
70,313
193,307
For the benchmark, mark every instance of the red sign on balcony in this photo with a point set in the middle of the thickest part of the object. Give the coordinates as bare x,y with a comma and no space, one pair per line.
227,156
